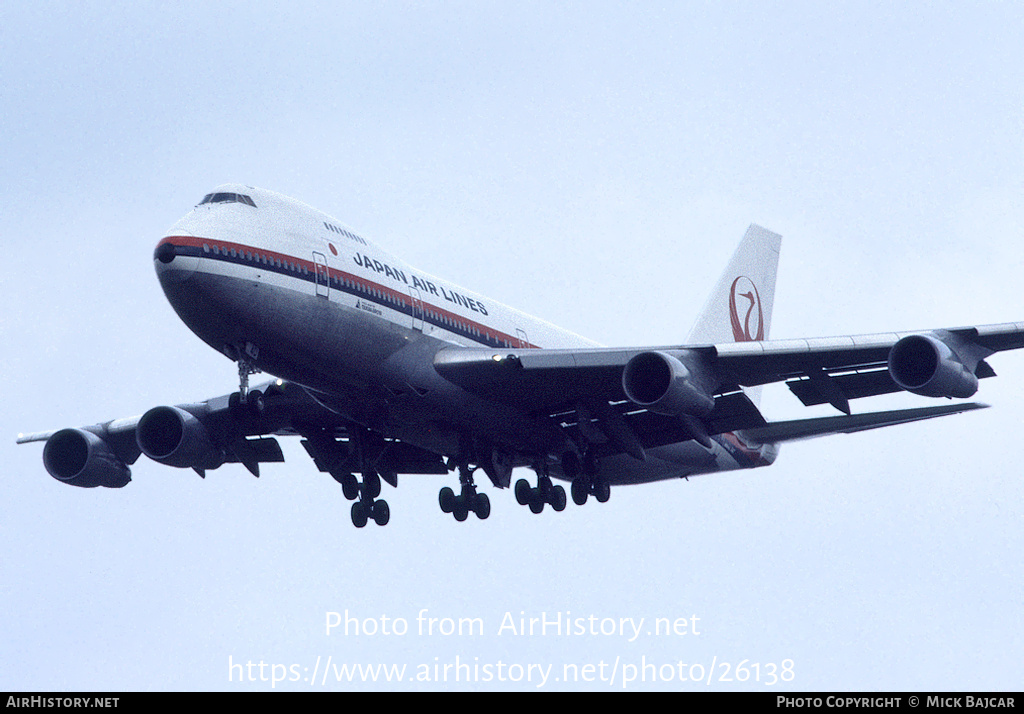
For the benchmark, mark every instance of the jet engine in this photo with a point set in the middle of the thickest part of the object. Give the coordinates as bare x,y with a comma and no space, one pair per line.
174,437
925,365
660,382
80,458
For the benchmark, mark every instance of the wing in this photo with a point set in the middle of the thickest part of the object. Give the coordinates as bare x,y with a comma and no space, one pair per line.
936,363
645,397
799,429
221,430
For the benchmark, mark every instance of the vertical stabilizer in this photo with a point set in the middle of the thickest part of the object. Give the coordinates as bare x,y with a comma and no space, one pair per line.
740,307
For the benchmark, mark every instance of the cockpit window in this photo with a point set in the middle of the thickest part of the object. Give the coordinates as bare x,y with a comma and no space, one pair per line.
227,198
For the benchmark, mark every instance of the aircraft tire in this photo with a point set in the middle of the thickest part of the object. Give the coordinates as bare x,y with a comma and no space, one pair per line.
371,484
482,506
536,503
558,498
350,487
446,499
544,487
522,492
381,512
461,509
580,492
359,514
602,491
256,404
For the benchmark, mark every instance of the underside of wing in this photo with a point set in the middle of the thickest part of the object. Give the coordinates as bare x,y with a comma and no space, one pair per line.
634,399
835,370
205,435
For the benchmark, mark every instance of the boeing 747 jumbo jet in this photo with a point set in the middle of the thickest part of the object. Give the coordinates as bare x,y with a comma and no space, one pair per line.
384,370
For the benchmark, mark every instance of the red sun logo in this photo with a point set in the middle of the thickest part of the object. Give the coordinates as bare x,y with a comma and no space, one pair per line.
744,296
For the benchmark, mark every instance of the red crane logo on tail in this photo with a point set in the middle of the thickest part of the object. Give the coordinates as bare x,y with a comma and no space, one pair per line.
742,330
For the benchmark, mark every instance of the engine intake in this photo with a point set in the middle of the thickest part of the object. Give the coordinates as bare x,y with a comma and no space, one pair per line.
174,437
664,385
926,365
80,458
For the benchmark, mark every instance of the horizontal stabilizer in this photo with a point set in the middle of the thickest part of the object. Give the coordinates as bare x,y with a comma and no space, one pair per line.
780,431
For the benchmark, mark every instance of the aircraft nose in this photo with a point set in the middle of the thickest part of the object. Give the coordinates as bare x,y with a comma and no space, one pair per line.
174,261
164,253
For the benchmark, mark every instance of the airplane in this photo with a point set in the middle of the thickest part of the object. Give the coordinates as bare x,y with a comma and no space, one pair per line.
382,369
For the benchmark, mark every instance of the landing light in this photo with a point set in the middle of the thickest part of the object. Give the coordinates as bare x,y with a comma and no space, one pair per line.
511,359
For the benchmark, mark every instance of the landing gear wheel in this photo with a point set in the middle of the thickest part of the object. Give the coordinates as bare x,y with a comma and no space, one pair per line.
544,493
461,510
381,512
558,498
544,488
523,491
482,507
580,491
350,487
359,514
446,499
371,484
602,491
468,499
256,404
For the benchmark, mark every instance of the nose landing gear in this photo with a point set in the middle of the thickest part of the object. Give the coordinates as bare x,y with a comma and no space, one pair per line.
244,401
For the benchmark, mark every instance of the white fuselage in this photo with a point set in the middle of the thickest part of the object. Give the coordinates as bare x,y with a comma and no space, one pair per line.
305,298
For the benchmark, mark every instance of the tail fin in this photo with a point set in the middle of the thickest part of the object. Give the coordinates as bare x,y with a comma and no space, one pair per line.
740,307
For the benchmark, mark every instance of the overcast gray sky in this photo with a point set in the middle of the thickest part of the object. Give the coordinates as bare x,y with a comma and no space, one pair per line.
593,164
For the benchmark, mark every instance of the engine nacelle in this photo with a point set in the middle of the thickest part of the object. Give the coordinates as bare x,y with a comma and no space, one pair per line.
80,458
664,385
174,437
926,365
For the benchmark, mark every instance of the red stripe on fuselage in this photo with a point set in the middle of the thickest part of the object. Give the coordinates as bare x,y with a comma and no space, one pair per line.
207,244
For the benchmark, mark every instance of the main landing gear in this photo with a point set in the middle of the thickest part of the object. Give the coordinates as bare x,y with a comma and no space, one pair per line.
340,459
585,483
585,480
468,500
366,505
582,488
364,492
543,493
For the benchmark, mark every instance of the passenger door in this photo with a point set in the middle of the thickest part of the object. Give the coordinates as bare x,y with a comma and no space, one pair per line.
323,275
417,309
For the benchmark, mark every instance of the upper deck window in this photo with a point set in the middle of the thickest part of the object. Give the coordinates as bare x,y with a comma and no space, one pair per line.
227,198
